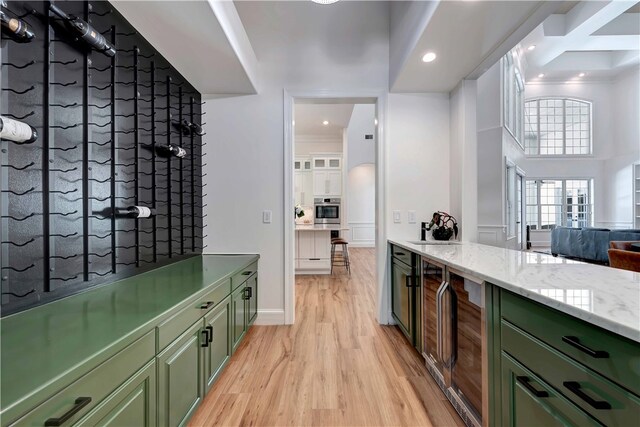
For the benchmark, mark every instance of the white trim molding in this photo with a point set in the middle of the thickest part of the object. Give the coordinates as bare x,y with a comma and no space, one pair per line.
270,317
362,234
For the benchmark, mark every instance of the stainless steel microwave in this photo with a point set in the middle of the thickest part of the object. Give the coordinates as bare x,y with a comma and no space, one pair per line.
327,211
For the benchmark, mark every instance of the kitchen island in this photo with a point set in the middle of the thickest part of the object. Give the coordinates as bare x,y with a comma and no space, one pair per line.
313,247
517,338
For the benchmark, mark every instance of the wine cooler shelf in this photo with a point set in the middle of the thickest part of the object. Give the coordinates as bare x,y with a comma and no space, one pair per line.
101,153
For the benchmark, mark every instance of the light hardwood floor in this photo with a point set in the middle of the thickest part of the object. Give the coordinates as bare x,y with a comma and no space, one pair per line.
335,367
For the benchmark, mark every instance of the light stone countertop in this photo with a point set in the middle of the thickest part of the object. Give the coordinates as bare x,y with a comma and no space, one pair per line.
320,227
603,296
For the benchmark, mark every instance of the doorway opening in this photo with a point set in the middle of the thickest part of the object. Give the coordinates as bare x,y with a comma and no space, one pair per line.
333,187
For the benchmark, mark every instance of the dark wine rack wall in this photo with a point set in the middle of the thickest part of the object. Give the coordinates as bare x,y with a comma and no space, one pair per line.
99,120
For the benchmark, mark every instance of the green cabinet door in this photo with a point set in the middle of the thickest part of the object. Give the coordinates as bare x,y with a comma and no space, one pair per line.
180,375
132,404
218,352
238,315
252,302
402,297
528,401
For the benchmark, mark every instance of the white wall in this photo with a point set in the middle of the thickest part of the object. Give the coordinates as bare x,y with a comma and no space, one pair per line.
417,160
360,194
362,123
245,172
464,159
616,145
305,145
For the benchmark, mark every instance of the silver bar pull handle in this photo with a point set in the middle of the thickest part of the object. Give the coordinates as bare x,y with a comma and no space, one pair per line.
439,319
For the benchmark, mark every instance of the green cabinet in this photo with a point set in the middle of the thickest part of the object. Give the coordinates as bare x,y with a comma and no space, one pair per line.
238,316
252,301
405,295
180,376
218,352
132,404
528,401
558,370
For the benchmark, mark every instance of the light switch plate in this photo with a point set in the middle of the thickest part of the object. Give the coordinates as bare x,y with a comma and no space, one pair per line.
266,217
397,219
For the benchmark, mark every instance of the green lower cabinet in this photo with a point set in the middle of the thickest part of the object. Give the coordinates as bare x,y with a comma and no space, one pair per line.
180,374
238,316
132,404
528,401
218,351
252,301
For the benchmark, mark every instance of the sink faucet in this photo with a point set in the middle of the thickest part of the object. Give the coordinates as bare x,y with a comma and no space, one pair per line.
423,230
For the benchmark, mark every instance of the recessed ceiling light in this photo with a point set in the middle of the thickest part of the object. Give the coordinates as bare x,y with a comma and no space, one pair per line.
541,75
324,1
326,122
533,46
428,57
581,75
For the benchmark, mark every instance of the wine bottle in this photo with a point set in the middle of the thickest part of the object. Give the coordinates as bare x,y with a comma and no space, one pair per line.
134,212
184,126
85,32
196,128
171,150
16,28
16,131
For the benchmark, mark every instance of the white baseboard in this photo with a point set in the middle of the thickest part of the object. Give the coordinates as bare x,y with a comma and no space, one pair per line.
270,317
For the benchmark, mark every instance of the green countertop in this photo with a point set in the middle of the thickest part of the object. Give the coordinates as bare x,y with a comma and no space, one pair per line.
46,347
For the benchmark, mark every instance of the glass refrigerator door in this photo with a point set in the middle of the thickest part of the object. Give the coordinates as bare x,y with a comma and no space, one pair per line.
466,372
432,279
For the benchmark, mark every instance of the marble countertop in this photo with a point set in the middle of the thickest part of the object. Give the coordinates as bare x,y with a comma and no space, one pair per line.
603,296
320,227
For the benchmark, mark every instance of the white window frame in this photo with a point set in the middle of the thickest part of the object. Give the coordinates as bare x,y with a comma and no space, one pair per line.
564,100
513,99
563,205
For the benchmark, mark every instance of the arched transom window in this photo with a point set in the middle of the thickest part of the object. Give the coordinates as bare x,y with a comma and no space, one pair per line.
557,127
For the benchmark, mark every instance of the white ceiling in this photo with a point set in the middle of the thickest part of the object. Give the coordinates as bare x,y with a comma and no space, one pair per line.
601,39
464,34
309,117
204,40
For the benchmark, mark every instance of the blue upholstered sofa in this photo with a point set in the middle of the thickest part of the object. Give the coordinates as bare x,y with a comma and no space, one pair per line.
587,243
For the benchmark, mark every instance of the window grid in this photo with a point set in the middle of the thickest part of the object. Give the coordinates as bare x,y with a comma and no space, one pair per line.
553,203
557,126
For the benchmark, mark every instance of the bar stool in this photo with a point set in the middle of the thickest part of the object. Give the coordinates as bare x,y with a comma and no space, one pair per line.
340,258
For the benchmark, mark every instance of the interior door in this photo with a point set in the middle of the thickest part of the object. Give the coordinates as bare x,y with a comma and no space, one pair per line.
402,297
432,280
466,371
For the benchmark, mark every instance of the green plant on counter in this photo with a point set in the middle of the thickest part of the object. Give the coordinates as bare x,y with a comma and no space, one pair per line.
299,212
444,226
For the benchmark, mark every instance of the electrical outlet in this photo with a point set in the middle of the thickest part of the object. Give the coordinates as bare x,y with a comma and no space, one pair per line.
412,217
266,217
397,219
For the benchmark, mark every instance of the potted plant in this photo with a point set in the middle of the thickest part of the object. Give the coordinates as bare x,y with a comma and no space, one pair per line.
299,212
444,226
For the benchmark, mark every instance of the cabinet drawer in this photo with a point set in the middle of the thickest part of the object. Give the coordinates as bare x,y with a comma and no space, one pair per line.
171,328
242,277
604,400
87,392
567,334
402,254
314,264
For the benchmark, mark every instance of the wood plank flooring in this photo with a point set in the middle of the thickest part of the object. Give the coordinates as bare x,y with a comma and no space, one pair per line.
335,367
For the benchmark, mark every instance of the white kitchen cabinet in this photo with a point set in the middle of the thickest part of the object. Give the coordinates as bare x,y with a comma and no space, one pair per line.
327,183
330,162
302,164
313,252
303,188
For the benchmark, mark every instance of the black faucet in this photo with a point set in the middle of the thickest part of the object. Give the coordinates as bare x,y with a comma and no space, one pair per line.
423,230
